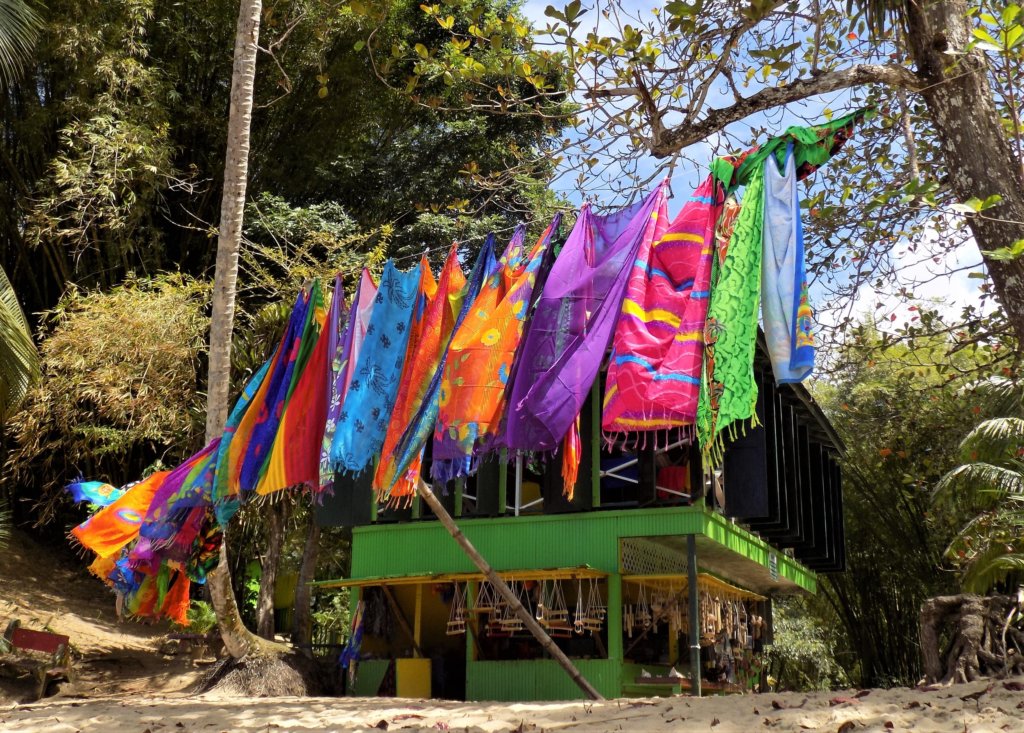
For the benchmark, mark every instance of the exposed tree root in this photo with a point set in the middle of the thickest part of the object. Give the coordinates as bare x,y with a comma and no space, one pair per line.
272,675
980,641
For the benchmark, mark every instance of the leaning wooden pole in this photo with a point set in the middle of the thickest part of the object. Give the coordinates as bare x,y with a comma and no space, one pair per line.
502,587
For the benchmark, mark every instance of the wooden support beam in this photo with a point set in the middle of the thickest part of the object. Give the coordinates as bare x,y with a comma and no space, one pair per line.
506,593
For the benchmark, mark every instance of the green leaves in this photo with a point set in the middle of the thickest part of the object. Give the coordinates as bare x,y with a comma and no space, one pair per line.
19,362
1005,254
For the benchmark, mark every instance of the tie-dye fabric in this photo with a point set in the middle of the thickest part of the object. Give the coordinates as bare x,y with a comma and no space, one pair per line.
784,293
409,450
225,503
112,528
371,394
429,338
280,384
294,459
572,325
96,493
654,370
479,364
241,447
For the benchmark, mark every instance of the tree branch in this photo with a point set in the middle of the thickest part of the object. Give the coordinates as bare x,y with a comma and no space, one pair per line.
670,141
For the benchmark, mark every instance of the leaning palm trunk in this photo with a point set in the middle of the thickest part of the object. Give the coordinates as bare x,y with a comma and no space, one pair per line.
237,639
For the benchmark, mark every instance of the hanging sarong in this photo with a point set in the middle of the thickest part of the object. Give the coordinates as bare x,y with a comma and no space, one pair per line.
346,352
479,364
242,441
657,354
226,503
112,528
728,391
374,386
96,493
784,307
409,450
294,459
572,325
355,332
426,344
282,382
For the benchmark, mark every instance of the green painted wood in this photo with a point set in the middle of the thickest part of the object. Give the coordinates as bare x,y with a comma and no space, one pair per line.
595,442
538,679
615,616
513,543
369,674
553,541
742,542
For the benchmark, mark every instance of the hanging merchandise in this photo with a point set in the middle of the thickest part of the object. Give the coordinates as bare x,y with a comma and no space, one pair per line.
457,616
472,397
428,339
571,326
97,493
371,393
112,528
294,459
279,386
409,450
343,352
785,309
486,598
728,391
225,502
654,370
245,446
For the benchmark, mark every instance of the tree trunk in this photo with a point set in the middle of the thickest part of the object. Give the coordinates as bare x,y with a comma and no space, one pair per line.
277,517
302,626
978,155
505,592
237,639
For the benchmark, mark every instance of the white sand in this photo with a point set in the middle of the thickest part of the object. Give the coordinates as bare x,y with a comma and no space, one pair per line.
934,711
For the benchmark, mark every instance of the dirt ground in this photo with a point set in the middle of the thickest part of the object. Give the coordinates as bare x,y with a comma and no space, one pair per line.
52,591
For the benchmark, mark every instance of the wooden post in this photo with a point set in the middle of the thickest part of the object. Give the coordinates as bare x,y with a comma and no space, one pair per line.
503,482
417,621
506,593
694,593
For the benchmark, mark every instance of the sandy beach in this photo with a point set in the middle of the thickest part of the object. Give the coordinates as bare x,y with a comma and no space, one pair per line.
924,711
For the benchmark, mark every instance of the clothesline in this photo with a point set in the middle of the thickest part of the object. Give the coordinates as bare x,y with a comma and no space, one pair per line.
500,359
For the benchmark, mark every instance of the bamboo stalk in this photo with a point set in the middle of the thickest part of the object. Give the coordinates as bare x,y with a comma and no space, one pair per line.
498,584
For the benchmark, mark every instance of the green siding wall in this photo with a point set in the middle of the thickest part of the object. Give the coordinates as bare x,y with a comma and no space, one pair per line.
513,543
742,542
539,679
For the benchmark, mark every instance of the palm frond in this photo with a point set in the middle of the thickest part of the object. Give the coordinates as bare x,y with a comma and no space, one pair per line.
5,524
994,441
984,482
991,567
19,25
19,361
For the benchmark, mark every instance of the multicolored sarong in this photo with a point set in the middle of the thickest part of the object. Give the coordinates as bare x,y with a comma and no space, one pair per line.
657,354
479,364
572,325
366,411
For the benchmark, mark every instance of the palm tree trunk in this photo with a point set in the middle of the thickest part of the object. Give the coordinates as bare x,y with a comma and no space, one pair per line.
237,639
